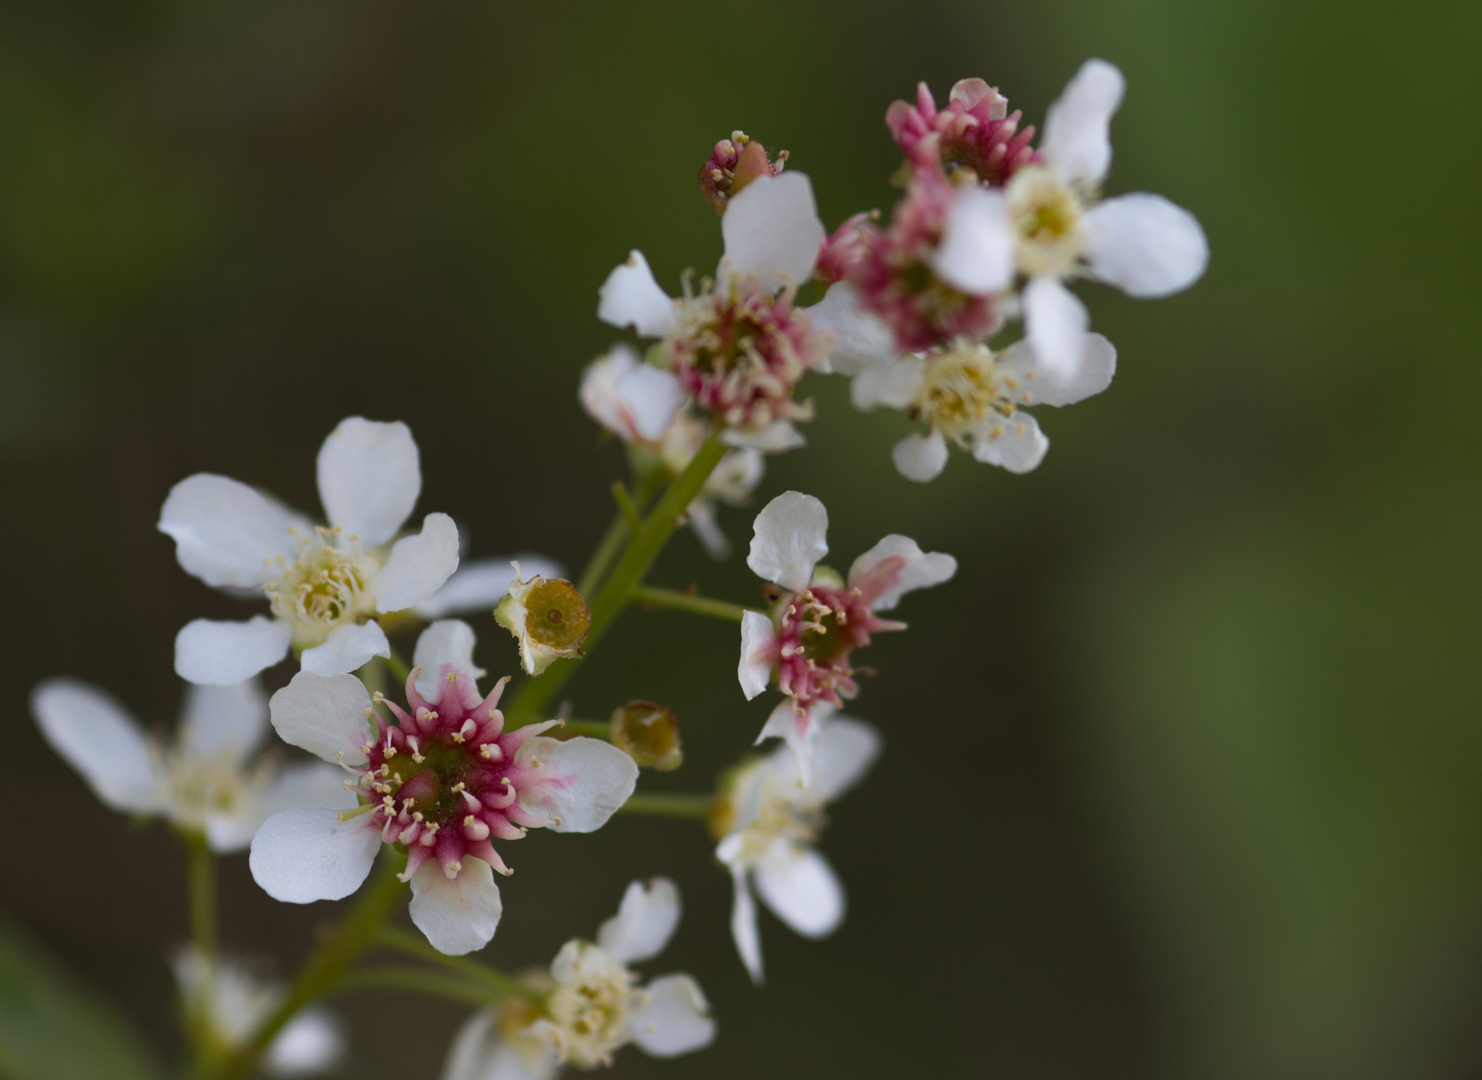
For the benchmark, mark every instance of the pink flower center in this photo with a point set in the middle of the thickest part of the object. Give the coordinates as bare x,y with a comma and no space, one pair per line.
444,779
817,629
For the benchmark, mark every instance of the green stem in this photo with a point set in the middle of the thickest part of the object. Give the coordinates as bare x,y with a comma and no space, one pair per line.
643,548
652,596
393,977
695,807
597,729
400,670
202,870
321,970
625,506
612,539
413,945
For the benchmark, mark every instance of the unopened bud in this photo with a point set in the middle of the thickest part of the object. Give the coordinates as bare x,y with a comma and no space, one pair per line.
548,618
647,733
734,163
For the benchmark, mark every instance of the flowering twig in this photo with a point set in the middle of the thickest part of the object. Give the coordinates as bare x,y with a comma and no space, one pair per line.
652,596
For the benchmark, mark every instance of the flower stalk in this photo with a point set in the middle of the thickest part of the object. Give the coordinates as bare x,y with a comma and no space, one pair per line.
653,596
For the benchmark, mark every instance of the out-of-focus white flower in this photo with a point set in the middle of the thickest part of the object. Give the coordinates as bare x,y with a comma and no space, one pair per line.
806,639
594,1003
231,1004
768,825
632,399
443,780
206,782
972,397
1141,243
326,584
737,348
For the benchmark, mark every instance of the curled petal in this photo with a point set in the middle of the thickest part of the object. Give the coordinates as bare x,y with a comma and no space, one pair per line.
650,397
1036,384
896,566
674,1018
744,930
1014,443
758,653
644,923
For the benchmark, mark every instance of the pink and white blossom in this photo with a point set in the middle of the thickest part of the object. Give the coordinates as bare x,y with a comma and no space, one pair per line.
210,781
739,346
325,584
974,398
975,133
805,642
443,778
768,828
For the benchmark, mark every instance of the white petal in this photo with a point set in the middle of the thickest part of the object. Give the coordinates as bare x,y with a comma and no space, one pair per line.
631,297
894,567
1036,385
226,653
701,515
644,923
419,565
479,1052
744,930
99,739
771,229
860,338
582,781
448,643
651,397
978,244
788,539
300,856
758,653
920,457
598,391
224,531
799,731
229,720
846,749
1077,140
801,889
458,915
893,385
1055,325
480,584
348,648
308,785
309,1043
369,478
325,715
1014,443
674,1018
1145,245
776,437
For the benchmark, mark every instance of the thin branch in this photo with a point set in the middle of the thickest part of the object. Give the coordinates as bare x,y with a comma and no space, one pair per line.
653,596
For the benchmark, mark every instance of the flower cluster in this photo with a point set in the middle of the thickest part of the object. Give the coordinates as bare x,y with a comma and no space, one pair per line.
415,765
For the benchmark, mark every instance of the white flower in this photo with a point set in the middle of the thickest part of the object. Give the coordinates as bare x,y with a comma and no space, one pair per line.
233,1004
497,1044
326,584
633,400
738,348
973,397
206,782
805,641
773,821
443,781
1141,243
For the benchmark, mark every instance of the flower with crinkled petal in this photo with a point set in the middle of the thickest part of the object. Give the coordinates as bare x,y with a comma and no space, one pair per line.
207,782
739,346
973,397
232,1004
806,640
326,584
442,779
767,822
594,1003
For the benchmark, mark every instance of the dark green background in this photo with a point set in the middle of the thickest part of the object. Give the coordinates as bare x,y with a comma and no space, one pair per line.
1182,776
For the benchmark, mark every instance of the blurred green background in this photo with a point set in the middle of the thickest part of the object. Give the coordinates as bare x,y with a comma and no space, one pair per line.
1183,770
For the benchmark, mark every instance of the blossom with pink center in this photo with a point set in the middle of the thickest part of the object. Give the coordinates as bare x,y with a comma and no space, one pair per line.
935,274
326,585
442,780
767,823
734,163
805,642
739,346
210,781
973,397
974,133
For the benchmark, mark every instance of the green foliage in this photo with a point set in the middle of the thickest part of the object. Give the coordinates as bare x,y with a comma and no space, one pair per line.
51,1029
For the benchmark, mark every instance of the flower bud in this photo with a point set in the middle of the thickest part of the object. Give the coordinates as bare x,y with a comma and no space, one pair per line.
734,163
548,618
647,733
